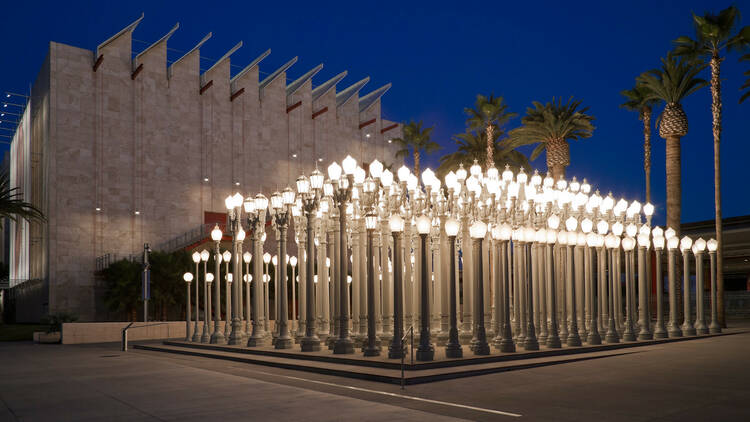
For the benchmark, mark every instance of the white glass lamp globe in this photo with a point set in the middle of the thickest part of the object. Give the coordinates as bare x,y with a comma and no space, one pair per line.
423,224
237,198
261,202
229,202
540,236
227,256
644,230
643,240
591,240
188,277
205,255
196,257
562,237
648,209
275,260
602,227
713,245
571,223
610,241
334,171
293,261
241,235
376,168
478,230
587,225
505,231
316,179
700,244
349,164
266,257
669,233
427,176
631,230
403,174
673,242
580,239
551,236
229,277
657,232
209,277
216,233
396,223
553,222
628,243
617,229
303,185
371,221
686,243
658,242
386,178
247,257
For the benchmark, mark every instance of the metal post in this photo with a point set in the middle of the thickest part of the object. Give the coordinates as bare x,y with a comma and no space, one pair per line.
425,351
659,330
714,327
217,336
574,338
206,336
700,320
453,348
673,328
687,325
343,344
196,335
311,342
643,319
553,339
611,336
594,265
187,314
481,347
371,347
396,350
283,341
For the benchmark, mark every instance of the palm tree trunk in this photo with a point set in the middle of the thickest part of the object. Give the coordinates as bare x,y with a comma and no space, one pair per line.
557,171
416,162
716,111
674,183
646,117
490,146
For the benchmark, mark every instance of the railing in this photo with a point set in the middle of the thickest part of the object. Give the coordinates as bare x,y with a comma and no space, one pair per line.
185,239
409,331
129,326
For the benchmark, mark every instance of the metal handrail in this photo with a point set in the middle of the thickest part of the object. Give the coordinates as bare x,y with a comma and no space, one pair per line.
409,331
129,326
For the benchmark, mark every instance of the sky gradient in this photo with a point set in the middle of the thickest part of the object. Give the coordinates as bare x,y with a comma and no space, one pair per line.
438,58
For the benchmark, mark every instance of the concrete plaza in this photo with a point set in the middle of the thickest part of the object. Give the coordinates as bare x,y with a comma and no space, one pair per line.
694,380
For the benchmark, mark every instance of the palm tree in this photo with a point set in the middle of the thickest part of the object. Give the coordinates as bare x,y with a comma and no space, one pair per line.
12,205
746,85
714,33
637,101
675,80
473,146
552,125
489,114
415,141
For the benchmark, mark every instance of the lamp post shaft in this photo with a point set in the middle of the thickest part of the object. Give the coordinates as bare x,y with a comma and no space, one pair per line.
480,347
396,350
187,314
217,336
643,319
700,319
257,337
206,337
574,338
283,341
453,347
659,330
553,339
196,335
673,328
311,342
594,336
611,336
714,327
425,351
371,347
343,344
687,326
236,335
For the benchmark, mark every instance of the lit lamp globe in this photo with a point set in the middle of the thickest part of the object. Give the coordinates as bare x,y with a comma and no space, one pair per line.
423,224
241,235
580,239
249,206
360,174
334,171
303,185
266,258
229,202
276,201
188,277
673,243
645,230
643,240
551,236
287,196
602,227
658,242
507,175
247,257
229,278
571,223
371,221
591,240
505,231
657,232
376,169
451,227
631,230
237,199
478,230
553,222
275,260
700,245
205,255
562,237
216,233
427,176
529,234
587,225
712,245
403,174
293,261
540,236
617,229
196,257
386,178
396,223
685,244
227,256
648,209
261,202
611,241
628,244
349,165
209,277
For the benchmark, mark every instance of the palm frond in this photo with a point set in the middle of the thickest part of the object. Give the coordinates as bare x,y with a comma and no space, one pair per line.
12,204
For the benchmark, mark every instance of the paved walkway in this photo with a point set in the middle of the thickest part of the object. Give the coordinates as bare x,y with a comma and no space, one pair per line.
703,379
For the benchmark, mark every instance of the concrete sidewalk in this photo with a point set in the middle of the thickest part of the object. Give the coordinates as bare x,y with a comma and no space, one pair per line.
74,383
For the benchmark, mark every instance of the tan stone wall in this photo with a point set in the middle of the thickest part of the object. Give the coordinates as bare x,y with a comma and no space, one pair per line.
147,144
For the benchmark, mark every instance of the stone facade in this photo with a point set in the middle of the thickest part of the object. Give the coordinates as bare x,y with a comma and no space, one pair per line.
134,151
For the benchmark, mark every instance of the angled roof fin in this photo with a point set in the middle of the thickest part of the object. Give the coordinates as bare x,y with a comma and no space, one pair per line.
297,84
128,28
270,78
162,39
319,91
370,99
197,46
344,96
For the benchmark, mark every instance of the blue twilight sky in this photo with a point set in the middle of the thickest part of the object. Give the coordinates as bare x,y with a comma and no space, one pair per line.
438,57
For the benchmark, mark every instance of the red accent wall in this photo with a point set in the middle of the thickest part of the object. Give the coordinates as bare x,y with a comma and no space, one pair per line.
219,218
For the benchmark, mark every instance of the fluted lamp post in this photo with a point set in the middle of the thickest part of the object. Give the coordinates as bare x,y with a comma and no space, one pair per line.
309,191
478,231
628,244
247,278
714,327
574,338
266,302
234,211
396,349
425,351
217,336
280,205
673,243
255,209
687,326
206,336
293,263
453,348
196,335
612,242
227,257
188,277
660,331
699,247
342,195
371,347
644,319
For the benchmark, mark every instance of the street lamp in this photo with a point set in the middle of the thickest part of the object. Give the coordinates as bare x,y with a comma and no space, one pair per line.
699,248
217,336
342,195
234,215
673,327
255,211
309,192
643,285
188,277
371,346
687,326
425,351
227,257
396,350
714,327
206,336
246,258
293,263
453,348
196,259
658,239
281,213
478,231
628,244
